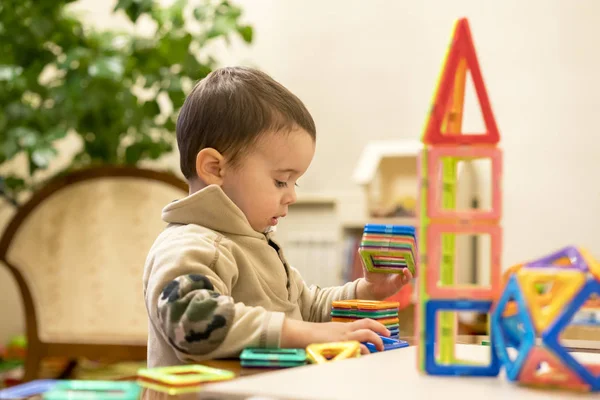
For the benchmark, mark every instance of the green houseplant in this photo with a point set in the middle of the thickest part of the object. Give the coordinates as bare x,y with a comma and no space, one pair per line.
117,91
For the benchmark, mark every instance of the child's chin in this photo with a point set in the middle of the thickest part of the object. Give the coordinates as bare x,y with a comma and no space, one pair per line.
270,228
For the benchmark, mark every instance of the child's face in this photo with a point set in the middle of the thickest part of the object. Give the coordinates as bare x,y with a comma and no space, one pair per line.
263,185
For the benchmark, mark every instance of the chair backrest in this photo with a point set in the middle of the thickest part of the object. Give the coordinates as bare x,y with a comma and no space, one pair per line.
80,244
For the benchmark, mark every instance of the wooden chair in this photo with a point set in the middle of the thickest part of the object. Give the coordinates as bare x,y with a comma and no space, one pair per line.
77,250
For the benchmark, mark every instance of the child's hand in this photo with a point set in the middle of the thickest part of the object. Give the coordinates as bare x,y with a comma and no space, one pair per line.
299,334
362,330
379,286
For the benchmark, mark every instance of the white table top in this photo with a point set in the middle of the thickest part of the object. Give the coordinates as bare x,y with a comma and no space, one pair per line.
391,374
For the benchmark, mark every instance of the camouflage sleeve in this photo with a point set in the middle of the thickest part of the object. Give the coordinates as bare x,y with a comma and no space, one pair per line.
194,317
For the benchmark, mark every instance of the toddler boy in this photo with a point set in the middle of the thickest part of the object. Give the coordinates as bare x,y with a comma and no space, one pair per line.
216,280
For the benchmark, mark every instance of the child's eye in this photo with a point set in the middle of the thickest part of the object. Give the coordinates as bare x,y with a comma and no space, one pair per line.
280,184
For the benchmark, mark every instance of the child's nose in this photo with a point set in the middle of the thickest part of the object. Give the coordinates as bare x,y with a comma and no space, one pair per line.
289,198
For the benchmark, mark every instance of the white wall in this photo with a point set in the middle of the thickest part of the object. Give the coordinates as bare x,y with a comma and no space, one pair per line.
367,70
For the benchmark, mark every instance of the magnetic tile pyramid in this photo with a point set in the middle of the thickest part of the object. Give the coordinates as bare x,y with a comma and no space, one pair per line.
442,127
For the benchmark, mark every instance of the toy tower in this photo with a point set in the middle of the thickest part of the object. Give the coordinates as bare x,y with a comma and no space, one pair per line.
444,145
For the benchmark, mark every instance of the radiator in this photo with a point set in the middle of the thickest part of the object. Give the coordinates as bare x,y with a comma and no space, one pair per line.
316,257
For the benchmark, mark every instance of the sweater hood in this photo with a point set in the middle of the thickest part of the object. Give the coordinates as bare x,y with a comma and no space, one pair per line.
211,208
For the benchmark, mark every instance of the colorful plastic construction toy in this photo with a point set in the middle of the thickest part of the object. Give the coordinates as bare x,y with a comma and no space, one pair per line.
444,146
93,390
443,127
541,298
385,312
272,358
320,353
181,378
388,248
28,389
388,344
523,309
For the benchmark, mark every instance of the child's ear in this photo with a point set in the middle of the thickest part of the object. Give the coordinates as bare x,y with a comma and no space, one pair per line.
209,166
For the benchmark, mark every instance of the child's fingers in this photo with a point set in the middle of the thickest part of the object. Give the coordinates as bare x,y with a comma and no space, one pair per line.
364,350
367,335
368,323
400,280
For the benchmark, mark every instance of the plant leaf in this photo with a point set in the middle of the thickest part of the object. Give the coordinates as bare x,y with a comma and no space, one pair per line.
246,32
10,72
55,133
107,67
222,26
12,183
133,153
10,149
177,98
151,107
60,75
122,5
134,8
77,54
176,13
25,136
200,13
42,156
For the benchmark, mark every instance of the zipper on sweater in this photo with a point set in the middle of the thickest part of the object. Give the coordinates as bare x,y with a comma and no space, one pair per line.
285,266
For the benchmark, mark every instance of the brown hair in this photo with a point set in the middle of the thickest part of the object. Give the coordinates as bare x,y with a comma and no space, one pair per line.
229,109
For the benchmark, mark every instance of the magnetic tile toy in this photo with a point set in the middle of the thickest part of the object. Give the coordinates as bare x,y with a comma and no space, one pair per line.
272,358
93,390
320,353
181,378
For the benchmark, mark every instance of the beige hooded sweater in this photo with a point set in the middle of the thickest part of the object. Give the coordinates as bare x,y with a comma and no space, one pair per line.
213,285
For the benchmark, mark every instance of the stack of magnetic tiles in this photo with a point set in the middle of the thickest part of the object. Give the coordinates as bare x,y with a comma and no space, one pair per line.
385,312
388,248
272,357
441,221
